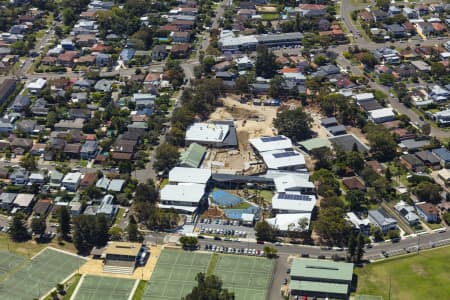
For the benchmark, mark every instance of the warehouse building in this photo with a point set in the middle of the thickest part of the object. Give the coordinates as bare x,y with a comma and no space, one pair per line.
321,278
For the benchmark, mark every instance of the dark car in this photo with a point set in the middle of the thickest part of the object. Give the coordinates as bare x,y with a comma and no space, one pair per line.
305,254
321,257
217,238
260,242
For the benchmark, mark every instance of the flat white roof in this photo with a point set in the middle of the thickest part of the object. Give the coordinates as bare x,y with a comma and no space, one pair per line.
364,96
357,221
381,113
72,177
279,142
207,132
183,192
283,159
294,201
23,200
285,222
189,175
292,181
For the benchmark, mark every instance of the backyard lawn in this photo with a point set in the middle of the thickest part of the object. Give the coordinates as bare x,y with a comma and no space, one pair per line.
423,276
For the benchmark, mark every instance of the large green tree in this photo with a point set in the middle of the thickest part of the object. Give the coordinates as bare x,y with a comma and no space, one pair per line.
265,64
265,232
64,222
209,288
429,192
38,225
294,124
383,145
133,232
331,226
18,230
166,157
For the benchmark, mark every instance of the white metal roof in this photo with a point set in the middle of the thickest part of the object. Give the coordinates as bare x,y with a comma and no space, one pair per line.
183,192
292,182
73,177
381,113
279,142
206,132
283,159
189,175
37,84
23,200
364,97
293,201
285,222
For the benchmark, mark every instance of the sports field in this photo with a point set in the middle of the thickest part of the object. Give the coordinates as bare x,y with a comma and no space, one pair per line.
174,275
104,288
248,277
39,275
423,276
9,261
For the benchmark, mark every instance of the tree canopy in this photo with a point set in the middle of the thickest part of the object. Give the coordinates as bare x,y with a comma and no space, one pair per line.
294,124
208,288
265,232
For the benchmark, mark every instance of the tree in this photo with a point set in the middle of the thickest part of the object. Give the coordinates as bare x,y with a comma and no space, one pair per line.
294,124
369,60
265,232
18,231
38,225
382,142
208,288
438,70
265,64
208,62
166,157
377,233
101,230
146,192
360,241
357,200
276,86
331,226
387,79
351,247
426,128
393,234
189,242
64,222
28,162
270,252
428,192
383,4
89,231
133,232
68,16
241,85
51,120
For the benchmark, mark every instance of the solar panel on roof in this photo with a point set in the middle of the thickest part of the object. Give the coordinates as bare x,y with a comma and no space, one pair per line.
273,138
284,154
294,197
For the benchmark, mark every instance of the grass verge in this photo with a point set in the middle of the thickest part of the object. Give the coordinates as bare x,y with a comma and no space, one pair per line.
119,216
212,264
139,293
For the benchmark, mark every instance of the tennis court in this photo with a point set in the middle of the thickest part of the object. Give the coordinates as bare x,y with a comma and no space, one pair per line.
39,275
104,288
174,275
9,261
248,277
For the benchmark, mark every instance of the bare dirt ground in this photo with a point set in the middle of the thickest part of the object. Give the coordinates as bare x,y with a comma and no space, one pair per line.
250,121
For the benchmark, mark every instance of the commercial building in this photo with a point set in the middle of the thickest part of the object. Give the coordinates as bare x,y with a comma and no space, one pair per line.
271,143
189,175
284,160
122,257
320,278
294,182
229,42
186,197
193,156
217,134
290,222
293,202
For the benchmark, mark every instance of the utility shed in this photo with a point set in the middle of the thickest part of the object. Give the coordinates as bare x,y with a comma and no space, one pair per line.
320,278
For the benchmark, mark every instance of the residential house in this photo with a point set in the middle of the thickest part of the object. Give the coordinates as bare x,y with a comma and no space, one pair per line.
19,176
159,52
180,50
443,155
69,124
181,36
412,162
102,59
6,126
89,150
72,151
381,219
37,178
312,10
429,159
88,180
103,85
424,28
24,201
442,117
7,87
7,200
21,145
80,113
396,30
21,103
407,212
394,10
55,179
381,115
361,225
126,55
43,207
379,15
439,94
354,183
428,212
71,181
36,85
67,58
410,13
123,150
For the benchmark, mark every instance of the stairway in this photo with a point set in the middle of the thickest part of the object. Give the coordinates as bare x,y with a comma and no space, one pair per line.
118,270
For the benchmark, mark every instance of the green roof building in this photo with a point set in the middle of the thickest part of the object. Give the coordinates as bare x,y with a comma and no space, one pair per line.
321,278
193,156
315,143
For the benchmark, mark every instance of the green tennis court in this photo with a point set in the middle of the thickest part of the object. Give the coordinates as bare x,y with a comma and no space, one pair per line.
104,288
9,261
174,275
248,277
39,275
